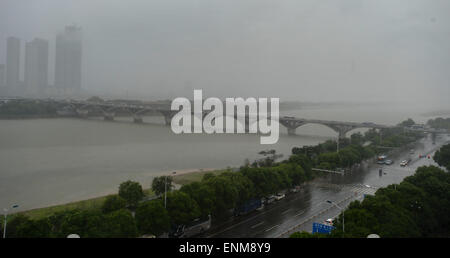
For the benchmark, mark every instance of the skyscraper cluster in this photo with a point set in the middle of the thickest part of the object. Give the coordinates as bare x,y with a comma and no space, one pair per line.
67,81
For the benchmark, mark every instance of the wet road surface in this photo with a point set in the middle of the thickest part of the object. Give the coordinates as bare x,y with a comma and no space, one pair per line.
297,211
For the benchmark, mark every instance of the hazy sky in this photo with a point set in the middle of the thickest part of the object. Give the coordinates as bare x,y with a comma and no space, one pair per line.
297,50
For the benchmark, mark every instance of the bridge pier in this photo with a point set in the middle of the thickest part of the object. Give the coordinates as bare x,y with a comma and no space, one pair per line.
291,131
342,130
168,115
138,119
291,125
109,116
82,113
168,120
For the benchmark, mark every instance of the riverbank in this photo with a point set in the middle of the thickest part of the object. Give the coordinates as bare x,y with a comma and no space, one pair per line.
19,117
180,178
189,176
89,204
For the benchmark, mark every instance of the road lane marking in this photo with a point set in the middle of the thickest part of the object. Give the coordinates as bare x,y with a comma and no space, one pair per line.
272,228
284,212
300,213
258,224
299,197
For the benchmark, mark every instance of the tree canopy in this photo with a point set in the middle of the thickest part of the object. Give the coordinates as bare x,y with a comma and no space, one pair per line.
131,192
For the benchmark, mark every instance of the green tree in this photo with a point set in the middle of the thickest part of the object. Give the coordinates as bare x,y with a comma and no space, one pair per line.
161,184
439,123
207,176
331,158
152,218
34,229
225,192
85,223
113,203
408,122
132,192
202,194
182,208
304,162
14,222
243,185
119,223
442,156
413,208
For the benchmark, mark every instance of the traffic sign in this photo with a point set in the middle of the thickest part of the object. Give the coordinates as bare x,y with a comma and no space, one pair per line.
321,228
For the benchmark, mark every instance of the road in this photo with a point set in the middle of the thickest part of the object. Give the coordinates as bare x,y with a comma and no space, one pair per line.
299,210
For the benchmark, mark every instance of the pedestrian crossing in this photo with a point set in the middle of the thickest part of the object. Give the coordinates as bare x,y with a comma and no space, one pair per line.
359,189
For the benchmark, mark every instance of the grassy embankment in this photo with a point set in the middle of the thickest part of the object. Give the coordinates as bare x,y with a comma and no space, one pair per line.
96,203
187,178
89,204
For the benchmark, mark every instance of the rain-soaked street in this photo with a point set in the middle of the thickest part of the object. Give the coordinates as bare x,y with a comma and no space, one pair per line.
297,211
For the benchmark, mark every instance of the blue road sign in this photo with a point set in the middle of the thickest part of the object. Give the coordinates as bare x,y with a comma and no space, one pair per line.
321,228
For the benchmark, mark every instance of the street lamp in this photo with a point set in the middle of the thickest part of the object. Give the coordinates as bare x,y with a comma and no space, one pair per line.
165,190
337,145
343,215
6,215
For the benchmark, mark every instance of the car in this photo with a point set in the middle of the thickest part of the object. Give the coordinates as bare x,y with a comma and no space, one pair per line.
271,199
280,196
403,163
329,222
382,157
380,162
295,189
388,162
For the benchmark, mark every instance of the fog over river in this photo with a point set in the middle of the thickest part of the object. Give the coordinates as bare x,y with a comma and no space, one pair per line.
53,161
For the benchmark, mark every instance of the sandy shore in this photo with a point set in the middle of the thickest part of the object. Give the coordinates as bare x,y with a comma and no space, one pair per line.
187,171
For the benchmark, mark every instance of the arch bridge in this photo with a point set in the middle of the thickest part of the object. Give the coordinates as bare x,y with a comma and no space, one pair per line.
109,109
340,127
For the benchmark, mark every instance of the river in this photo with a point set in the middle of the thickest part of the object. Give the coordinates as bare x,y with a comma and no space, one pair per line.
45,162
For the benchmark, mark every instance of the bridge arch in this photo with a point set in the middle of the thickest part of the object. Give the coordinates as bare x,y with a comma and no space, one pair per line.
292,131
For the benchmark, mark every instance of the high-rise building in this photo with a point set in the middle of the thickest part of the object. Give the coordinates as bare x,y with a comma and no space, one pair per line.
2,80
68,59
36,66
12,64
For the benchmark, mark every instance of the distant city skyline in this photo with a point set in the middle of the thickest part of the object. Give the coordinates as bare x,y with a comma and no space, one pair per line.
12,64
34,65
316,51
68,52
2,77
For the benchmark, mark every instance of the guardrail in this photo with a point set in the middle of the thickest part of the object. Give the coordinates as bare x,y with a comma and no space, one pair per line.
329,171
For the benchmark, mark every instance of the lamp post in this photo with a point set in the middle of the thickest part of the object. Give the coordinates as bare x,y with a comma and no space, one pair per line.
343,215
165,190
6,215
337,142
